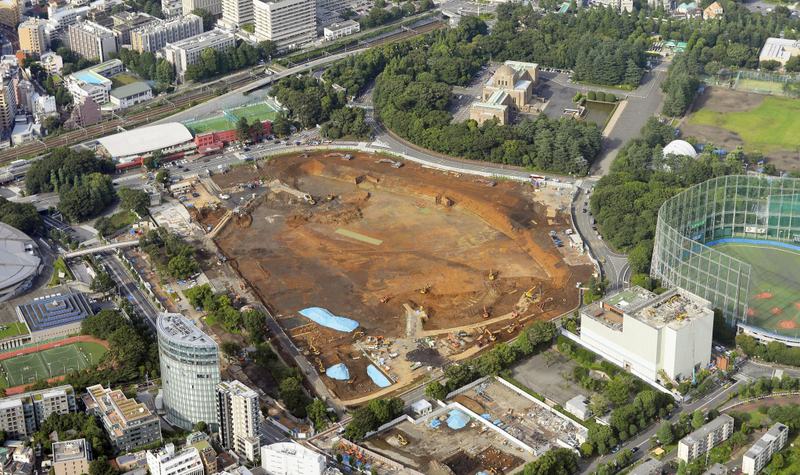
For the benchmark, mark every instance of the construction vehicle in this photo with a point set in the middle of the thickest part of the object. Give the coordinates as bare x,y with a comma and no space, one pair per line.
320,367
425,289
393,163
401,440
330,197
529,293
486,313
492,275
385,298
313,349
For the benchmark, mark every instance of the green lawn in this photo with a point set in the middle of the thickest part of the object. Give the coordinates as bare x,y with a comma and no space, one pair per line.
49,363
59,266
756,85
214,124
771,126
123,79
12,329
260,111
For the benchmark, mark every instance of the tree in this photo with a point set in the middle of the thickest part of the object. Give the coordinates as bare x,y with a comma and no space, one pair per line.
792,65
230,348
86,197
293,397
182,266
22,216
103,283
698,419
208,18
665,434
242,129
770,65
137,201
162,177
101,466
200,426
154,161
436,390
318,414
281,126
554,462
266,49
165,72
255,323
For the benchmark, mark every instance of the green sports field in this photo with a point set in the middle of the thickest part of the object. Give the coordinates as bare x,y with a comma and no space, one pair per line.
227,120
774,301
772,125
50,363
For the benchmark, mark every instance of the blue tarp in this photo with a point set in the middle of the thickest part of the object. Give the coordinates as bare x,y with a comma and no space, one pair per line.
327,319
378,378
338,371
457,419
435,423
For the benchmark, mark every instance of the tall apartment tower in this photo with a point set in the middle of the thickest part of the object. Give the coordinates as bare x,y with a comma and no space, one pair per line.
287,23
10,12
32,36
238,415
189,371
155,36
236,13
8,104
92,41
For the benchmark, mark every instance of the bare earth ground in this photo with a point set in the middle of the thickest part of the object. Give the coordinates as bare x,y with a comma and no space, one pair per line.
723,99
378,235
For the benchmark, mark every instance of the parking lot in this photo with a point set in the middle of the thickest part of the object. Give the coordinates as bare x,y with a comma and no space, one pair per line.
548,373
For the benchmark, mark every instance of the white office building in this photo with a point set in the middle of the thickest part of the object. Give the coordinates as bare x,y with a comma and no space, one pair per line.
184,53
156,35
167,461
212,6
239,417
291,458
335,31
705,438
779,49
236,13
762,451
649,334
189,371
287,23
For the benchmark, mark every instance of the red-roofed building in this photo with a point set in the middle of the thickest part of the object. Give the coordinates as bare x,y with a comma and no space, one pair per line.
211,142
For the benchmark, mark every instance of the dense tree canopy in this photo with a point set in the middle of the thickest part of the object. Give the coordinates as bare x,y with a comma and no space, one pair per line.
61,167
22,216
170,254
86,197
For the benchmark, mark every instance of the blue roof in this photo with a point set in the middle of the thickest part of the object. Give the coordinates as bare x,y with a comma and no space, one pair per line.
90,77
55,310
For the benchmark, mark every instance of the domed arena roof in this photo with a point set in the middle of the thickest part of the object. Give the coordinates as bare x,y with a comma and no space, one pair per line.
680,147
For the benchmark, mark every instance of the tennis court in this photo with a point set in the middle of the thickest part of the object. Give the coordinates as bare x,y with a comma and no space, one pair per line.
773,303
50,363
228,118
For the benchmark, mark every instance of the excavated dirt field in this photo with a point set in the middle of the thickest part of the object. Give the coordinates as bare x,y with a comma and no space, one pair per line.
380,240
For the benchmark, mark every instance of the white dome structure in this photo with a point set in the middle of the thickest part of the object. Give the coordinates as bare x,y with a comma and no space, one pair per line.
680,147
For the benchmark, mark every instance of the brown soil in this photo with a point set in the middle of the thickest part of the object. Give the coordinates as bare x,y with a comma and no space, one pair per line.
207,217
426,229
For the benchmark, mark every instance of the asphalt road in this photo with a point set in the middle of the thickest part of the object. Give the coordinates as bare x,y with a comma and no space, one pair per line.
128,289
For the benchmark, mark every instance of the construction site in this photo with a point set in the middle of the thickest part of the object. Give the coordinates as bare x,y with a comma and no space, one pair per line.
380,270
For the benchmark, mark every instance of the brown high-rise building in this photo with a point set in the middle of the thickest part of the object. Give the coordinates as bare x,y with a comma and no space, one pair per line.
32,36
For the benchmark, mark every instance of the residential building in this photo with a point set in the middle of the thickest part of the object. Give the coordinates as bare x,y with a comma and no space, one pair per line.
510,89
8,104
92,41
172,8
60,19
189,371
155,36
207,454
621,5
705,438
16,459
71,457
212,6
130,95
43,107
779,49
22,414
94,81
24,131
133,462
652,336
287,23
762,451
667,5
239,416
713,11
236,13
167,461
291,458
126,22
51,62
85,112
32,36
129,424
11,12
337,30
184,53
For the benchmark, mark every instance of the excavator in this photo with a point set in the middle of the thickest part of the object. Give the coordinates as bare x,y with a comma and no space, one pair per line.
492,275
425,289
385,298
486,313
401,440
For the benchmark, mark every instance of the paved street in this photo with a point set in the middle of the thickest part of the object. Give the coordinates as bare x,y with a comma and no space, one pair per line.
128,289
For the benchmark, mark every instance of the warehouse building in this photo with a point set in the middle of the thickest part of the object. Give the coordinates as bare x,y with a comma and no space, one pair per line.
651,335
126,146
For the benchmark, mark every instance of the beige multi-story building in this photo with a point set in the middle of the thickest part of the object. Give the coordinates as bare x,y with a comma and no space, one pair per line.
155,36
184,53
652,336
32,36
287,23
129,424
71,457
22,414
8,104
212,6
509,89
239,418
705,438
126,22
92,41
10,12
762,451
236,13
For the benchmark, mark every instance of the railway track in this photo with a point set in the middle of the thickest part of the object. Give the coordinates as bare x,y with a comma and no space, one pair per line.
168,107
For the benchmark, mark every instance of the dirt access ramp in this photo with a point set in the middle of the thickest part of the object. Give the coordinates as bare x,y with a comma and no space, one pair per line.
374,239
